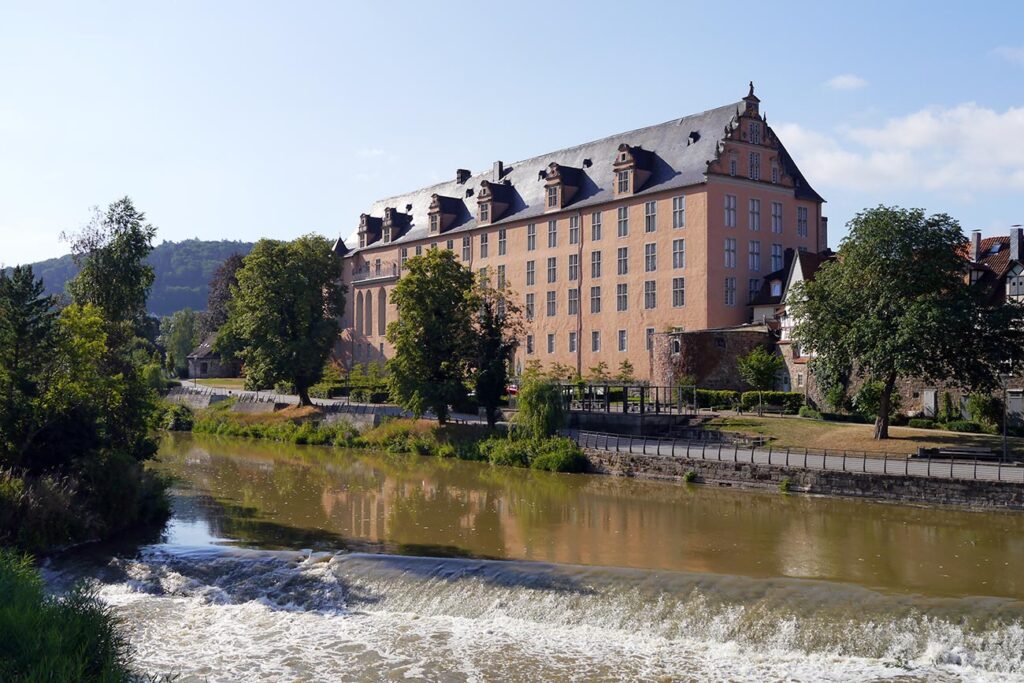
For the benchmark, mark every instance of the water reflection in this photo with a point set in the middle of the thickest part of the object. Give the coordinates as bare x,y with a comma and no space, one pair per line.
272,496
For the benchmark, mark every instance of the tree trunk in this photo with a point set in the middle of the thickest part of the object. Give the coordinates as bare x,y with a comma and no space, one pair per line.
304,399
884,406
492,417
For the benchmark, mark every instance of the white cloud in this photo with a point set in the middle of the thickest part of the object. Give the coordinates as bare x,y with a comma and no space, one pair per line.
846,82
963,150
1014,55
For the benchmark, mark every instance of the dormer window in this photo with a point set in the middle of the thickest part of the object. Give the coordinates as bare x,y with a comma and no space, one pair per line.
562,182
492,201
776,288
485,212
775,172
632,168
553,197
387,234
435,221
755,133
623,182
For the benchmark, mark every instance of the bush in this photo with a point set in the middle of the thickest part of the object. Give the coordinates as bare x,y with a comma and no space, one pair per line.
921,423
963,426
985,409
177,418
541,413
690,476
73,638
558,454
809,412
511,452
791,401
786,485
153,377
842,417
717,400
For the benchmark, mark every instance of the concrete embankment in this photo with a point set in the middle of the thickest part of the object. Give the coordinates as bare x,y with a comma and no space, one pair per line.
892,487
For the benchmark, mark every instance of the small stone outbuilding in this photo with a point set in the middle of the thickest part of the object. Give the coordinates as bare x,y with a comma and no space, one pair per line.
205,362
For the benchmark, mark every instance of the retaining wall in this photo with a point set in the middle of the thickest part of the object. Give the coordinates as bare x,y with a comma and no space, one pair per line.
978,494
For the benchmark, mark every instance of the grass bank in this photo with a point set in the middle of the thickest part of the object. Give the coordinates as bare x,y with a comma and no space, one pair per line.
74,638
306,426
796,432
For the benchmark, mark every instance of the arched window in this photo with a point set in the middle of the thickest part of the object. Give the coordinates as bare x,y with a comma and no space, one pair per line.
359,312
368,323
382,312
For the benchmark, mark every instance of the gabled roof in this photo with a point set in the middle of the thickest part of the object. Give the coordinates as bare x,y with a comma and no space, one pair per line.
205,350
674,157
998,261
802,263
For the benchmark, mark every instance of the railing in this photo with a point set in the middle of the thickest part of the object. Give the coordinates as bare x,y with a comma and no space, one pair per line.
803,458
640,399
381,271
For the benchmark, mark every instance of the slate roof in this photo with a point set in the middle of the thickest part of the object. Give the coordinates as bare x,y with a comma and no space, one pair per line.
809,264
205,350
677,160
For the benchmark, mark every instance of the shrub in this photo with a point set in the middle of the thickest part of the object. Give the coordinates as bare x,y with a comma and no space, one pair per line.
809,412
717,400
541,413
785,485
446,450
921,423
153,377
177,418
73,638
791,401
964,426
985,409
511,452
558,454
690,476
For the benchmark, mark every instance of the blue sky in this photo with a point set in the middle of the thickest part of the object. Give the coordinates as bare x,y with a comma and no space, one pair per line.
242,120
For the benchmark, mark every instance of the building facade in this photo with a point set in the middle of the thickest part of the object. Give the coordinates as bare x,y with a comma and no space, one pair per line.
605,244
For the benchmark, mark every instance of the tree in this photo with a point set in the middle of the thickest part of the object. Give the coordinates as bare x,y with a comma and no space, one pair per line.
598,373
433,335
759,369
179,335
224,279
498,326
283,317
896,303
625,371
540,407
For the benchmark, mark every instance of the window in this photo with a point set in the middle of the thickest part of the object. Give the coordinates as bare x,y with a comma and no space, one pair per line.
623,261
802,249
501,276
622,340
483,245
530,301
595,226
650,216
679,212
775,172
678,254
485,212
552,234
574,229
621,297
730,211
650,258
465,249
623,182
450,245
755,215
483,276
551,305
572,342
732,164
776,288
1015,283
755,133
730,291
595,299
419,252
595,264
650,338
753,287
650,295
754,256
678,292
777,217
553,197
574,301
799,379
531,237
777,257
433,245
574,267
531,273
595,340
623,227
754,170
801,221
551,343
552,269
502,242
730,252
529,344
405,256
433,222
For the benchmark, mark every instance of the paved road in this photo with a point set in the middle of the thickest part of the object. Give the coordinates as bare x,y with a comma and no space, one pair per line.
893,464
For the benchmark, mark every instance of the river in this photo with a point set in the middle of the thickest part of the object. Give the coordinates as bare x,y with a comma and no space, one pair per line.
295,563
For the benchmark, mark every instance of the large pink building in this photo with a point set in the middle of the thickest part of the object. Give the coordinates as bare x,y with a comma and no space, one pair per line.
605,243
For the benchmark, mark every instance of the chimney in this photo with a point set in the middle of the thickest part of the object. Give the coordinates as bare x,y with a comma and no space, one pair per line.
975,245
1016,243
499,170
823,235
461,176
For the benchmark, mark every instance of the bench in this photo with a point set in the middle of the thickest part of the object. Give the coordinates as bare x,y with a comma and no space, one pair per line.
961,453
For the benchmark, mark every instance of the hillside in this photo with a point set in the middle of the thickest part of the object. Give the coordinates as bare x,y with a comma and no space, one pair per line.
183,271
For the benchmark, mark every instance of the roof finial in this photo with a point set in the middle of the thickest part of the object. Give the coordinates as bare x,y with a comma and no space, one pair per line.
751,93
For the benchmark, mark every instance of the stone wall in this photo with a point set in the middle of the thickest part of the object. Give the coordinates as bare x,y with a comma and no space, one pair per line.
709,356
977,494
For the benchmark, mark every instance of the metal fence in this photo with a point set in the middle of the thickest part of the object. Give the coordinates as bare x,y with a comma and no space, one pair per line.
803,458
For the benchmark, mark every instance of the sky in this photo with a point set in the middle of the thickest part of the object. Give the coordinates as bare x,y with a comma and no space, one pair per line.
242,120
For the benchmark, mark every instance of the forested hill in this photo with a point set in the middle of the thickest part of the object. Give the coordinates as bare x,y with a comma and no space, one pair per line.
183,271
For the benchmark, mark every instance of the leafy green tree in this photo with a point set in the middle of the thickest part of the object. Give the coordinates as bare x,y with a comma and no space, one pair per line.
224,279
433,336
541,410
179,335
896,303
598,373
759,368
626,371
498,327
283,318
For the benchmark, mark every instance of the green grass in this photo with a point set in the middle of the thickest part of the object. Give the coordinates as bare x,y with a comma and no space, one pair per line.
237,383
55,640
